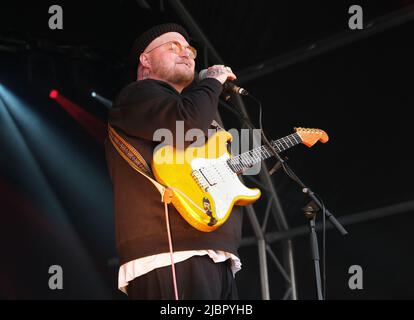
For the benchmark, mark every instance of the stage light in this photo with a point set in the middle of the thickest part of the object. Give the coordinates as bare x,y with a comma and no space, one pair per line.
53,94
107,103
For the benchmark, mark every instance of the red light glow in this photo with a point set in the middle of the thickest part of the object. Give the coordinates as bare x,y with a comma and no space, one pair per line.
53,94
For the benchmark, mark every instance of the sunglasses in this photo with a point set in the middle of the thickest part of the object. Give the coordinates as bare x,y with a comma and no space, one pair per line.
177,48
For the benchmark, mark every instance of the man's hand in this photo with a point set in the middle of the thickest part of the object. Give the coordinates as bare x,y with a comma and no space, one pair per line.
221,73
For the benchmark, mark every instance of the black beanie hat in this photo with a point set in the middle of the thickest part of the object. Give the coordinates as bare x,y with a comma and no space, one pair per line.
148,36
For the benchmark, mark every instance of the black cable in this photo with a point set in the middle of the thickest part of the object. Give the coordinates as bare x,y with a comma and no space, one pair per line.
323,245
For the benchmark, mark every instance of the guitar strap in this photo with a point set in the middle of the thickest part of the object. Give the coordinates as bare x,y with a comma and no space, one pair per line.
134,159
138,163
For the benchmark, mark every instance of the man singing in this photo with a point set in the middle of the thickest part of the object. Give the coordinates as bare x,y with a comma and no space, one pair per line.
164,93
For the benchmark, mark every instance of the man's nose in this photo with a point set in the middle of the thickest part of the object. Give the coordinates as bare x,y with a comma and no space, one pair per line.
185,52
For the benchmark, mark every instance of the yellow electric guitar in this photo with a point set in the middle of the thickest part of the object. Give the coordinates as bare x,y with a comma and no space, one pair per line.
205,179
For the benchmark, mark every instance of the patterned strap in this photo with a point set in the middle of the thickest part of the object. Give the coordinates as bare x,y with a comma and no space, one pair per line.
135,160
128,151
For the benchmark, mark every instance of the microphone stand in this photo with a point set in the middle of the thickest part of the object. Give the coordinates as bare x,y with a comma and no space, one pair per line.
310,211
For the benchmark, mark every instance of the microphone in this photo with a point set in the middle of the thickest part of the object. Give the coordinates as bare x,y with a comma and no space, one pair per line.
227,86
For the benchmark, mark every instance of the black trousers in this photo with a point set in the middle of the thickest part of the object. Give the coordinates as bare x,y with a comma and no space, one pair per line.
198,277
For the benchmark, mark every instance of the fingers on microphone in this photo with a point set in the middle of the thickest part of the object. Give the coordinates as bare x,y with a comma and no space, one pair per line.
227,70
232,76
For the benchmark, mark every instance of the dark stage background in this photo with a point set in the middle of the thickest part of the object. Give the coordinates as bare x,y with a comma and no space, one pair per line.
56,197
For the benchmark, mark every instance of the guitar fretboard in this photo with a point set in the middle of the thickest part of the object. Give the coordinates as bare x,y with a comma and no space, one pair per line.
249,158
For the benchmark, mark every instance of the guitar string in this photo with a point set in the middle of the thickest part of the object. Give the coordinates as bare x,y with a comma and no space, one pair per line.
240,161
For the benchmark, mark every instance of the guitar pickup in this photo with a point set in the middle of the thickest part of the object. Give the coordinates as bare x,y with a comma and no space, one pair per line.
211,183
201,181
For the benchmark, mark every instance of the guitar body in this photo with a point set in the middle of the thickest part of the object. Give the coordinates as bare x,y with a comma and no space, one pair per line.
205,188
204,178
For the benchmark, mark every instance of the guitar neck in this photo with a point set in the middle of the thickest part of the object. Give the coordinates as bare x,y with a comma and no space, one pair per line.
249,158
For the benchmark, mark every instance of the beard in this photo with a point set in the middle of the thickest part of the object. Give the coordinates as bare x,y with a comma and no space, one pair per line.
177,74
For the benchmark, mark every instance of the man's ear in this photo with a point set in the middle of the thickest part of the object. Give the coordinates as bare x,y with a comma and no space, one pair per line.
144,60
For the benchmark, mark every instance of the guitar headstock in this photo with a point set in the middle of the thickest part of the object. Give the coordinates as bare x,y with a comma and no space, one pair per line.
310,136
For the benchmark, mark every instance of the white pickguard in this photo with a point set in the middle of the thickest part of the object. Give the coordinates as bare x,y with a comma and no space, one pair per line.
226,186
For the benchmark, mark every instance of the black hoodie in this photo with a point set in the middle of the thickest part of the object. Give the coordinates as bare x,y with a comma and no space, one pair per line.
141,108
